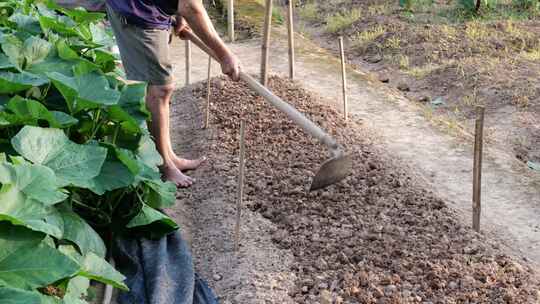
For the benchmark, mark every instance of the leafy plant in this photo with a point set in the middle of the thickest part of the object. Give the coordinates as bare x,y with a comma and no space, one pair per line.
75,155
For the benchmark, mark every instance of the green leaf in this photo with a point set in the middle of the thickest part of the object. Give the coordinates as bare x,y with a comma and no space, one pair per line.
148,153
65,51
128,158
100,36
34,181
18,209
160,194
35,50
131,109
80,233
77,290
31,112
57,64
26,196
19,296
16,82
96,268
85,91
26,22
153,222
63,26
13,48
72,163
80,15
5,63
26,262
114,175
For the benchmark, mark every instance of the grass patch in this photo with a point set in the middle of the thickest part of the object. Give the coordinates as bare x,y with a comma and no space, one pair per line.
402,61
340,21
365,37
533,55
393,42
309,12
475,30
422,71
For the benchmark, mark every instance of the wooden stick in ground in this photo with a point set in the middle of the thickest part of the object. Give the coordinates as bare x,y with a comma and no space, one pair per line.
266,42
477,169
344,78
208,92
188,62
240,189
290,28
230,19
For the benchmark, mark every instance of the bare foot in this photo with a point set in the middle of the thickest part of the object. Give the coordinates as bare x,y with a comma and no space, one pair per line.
188,164
174,175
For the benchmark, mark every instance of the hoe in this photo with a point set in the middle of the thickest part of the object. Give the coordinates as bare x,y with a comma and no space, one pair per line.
334,169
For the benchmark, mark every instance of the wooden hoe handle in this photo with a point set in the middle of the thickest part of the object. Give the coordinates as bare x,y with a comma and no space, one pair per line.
297,117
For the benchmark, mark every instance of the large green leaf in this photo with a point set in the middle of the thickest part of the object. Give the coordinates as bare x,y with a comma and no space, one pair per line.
148,153
35,50
85,91
152,222
72,163
160,194
19,296
16,82
52,63
31,112
95,268
131,109
114,175
63,26
26,196
34,181
26,22
77,290
80,233
13,48
100,35
26,262
5,63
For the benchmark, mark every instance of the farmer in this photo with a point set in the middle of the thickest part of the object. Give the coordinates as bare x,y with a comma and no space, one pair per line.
142,29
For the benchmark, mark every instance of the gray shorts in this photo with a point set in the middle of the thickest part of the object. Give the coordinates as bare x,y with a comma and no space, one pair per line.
144,52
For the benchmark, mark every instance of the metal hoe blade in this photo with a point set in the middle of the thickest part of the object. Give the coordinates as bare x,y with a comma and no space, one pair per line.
332,171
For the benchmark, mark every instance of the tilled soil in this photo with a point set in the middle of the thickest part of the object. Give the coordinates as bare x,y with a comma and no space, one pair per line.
378,236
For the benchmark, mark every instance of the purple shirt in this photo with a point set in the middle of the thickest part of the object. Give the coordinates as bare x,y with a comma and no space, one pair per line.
144,13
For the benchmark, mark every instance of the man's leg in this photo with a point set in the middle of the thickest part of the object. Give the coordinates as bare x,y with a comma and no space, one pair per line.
145,56
157,100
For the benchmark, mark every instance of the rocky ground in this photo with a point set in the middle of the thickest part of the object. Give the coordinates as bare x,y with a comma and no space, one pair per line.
377,237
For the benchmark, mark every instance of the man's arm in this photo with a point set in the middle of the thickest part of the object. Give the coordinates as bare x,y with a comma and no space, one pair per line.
194,13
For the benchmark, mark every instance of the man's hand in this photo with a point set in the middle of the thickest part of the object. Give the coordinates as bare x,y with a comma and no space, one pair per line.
181,28
230,66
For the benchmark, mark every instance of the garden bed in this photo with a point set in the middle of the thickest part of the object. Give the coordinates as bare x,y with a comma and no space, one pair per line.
377,237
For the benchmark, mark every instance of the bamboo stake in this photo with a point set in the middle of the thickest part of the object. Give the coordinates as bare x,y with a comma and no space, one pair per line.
266,42
344,79
188,62
208,92
290,27
230,18
240,193
477,168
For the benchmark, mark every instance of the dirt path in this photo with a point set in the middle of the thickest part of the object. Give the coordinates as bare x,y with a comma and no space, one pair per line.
511,194
259,271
